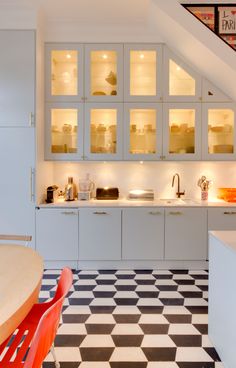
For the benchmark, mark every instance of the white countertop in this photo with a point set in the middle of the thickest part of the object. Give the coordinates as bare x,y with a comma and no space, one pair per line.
227,238
123,202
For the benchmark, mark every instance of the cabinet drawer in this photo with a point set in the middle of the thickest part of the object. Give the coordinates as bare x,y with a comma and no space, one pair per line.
223,218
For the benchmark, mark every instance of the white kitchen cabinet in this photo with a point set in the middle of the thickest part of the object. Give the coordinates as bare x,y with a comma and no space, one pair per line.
99,234
17,184
143,234
182,131
181,82
64,71
142,72
142,131
103,131
219,131
64,131
103,72
223,218
185,234
17,78
57,234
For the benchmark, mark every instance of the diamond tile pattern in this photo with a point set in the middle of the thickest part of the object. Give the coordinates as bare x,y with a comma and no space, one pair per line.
133,319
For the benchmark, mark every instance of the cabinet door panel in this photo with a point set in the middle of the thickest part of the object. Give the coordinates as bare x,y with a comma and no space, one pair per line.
57,234
17,78
100,234
222,218
186,234
143,234
17,192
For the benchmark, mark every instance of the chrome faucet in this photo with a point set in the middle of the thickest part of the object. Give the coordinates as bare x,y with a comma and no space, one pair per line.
178,193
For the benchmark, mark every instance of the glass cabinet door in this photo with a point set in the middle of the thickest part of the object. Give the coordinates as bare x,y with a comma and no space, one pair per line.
143,70
182,131
219,131
64,74
181,83
143,131
104,72
64,131
103,123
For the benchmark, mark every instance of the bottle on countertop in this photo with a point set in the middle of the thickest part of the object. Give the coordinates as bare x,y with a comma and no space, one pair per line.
70,190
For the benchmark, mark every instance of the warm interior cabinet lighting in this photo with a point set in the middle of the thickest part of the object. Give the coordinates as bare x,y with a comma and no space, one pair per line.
181,83
103,72
181,131
220,131
143,66
64,130
64,73
103,130
142,131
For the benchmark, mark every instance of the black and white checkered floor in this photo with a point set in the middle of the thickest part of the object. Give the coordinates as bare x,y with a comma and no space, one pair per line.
133,319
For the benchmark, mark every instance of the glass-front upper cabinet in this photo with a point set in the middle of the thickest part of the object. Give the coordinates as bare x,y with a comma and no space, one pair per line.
143,72
181,83
142,131
218,131
64,131
103,131
64,72
182,131
104,72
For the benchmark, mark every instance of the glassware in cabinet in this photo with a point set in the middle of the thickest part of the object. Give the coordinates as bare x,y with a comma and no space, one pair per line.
103,127
64,131
219,131
182,131
143,131
64,74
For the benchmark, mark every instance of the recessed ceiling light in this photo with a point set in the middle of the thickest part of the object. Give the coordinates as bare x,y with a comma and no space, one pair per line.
141,56
68,56
104,56
178,68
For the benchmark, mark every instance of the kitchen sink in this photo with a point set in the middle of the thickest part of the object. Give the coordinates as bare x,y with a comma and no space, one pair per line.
178,201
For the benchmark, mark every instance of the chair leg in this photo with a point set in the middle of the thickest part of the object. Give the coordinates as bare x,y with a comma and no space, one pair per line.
57,364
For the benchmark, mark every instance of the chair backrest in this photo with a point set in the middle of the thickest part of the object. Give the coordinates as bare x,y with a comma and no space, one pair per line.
48,324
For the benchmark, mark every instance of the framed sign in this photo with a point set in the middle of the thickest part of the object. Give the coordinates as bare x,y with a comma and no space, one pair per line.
227,20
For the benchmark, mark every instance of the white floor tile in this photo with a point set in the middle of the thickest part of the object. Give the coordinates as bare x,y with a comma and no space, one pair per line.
170,294
94,365
123,309
189,354
97,341
101,319
206,342
182,329
125,294
82,294
146,288
162,365
77,309
72,329
153,319
195,302
103,302
127,329
65,354
199,319
149,302
172,309
155,341
128,354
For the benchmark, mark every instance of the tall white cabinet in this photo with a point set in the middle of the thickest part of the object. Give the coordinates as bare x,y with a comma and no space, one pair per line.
17,132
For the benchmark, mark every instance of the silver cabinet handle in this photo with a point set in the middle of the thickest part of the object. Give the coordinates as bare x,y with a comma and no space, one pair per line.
32,182
31,119
175,213
154,213
69,213
100,213
230,213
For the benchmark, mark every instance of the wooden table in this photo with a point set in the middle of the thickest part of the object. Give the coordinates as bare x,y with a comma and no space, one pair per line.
21,271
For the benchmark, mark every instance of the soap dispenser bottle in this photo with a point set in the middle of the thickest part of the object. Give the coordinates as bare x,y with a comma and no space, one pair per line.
70,190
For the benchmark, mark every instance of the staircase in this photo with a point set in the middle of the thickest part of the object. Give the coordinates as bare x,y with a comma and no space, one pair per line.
220,19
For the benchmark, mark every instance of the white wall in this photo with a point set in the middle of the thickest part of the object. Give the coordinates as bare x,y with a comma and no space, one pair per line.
149,175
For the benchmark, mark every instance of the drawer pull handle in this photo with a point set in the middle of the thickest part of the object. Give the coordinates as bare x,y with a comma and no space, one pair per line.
175,213
230,213
100,213
69,213
154,213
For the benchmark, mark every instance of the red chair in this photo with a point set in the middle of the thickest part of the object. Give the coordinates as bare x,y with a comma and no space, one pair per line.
34,337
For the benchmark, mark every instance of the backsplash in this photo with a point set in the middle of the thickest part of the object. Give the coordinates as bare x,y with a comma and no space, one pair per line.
149,175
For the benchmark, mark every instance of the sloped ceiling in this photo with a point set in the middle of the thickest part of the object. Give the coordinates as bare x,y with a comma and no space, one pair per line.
198,46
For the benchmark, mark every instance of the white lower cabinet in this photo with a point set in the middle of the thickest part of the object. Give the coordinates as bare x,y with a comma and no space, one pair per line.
223,218
57,234
186,234
99,234
143,234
